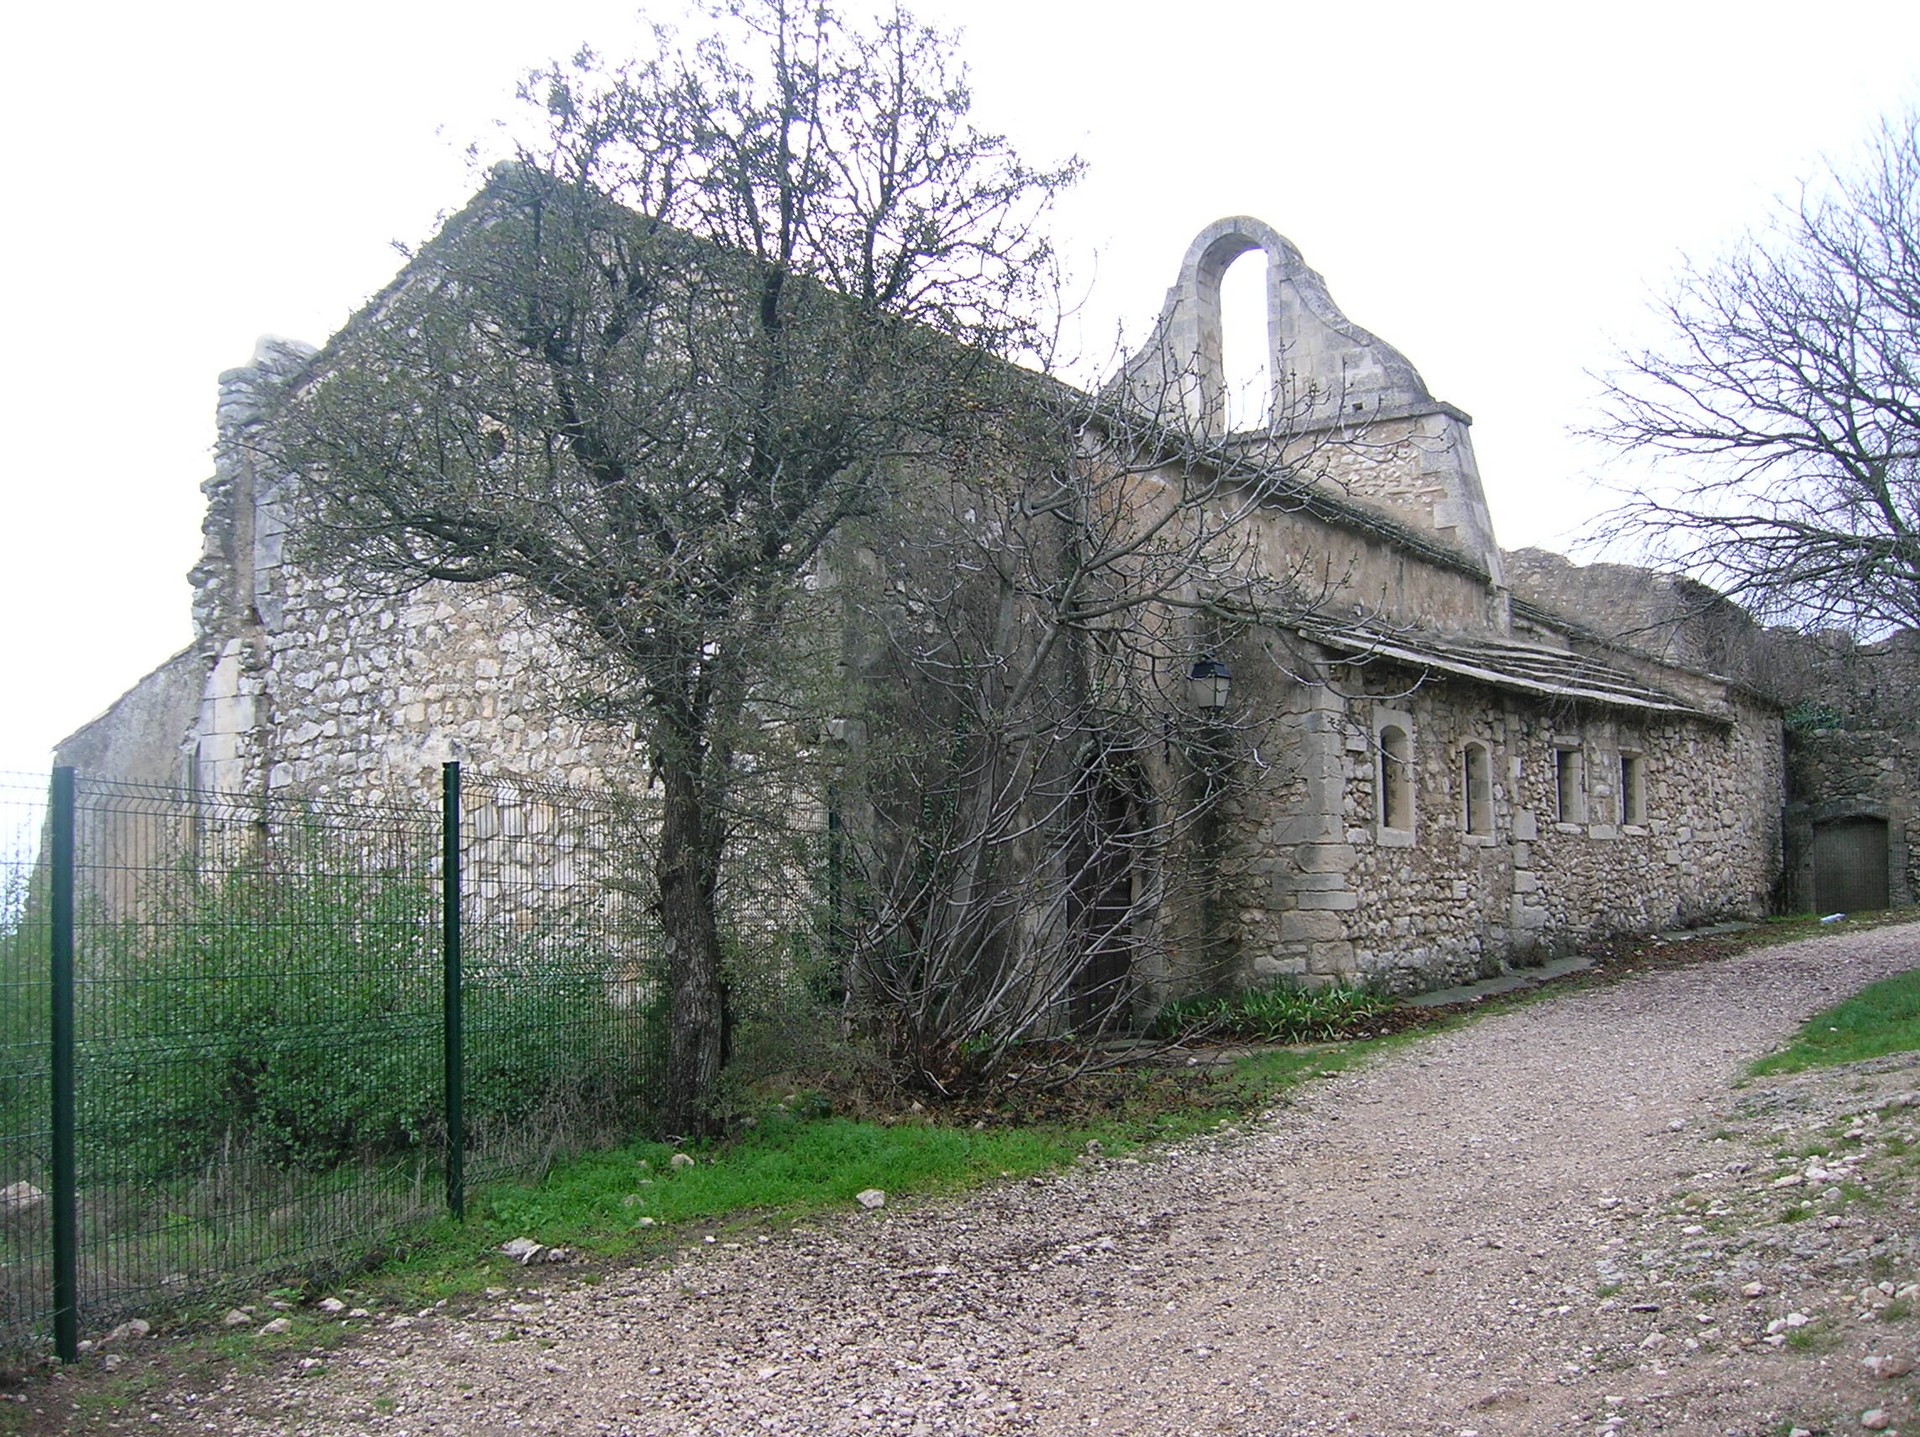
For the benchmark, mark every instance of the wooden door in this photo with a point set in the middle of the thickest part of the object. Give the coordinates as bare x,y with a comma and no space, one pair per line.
1850,865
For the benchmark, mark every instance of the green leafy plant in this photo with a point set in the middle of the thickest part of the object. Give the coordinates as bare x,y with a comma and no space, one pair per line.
1284,1013
295,1018
1808,716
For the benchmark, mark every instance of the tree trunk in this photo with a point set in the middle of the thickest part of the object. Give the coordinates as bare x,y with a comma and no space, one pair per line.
687,874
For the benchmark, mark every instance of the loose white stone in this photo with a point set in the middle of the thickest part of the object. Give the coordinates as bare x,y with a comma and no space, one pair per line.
19,1199
871,1198
523,1250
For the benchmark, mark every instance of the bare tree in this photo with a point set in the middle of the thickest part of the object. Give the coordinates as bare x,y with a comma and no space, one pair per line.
650,372
1040,802
1785,403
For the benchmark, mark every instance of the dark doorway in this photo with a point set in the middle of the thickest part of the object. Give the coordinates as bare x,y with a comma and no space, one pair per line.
1105,905
1850,865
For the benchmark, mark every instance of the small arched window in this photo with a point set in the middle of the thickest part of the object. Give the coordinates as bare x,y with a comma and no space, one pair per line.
1396,778
1476,789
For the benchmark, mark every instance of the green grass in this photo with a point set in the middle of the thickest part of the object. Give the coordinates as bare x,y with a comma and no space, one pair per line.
1877,1021
1814,1337
790,1165
786,1165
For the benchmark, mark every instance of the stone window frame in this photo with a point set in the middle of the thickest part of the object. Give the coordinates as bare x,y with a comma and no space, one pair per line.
1395,790
1569,785
1476,799
1632,796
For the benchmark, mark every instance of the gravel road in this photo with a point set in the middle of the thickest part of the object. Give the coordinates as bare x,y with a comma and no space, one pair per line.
1564,1218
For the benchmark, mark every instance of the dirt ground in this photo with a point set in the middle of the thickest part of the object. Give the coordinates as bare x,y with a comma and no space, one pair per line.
1569,1217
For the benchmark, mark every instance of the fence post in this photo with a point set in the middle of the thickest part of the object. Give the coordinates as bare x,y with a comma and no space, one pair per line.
66,1197
451,998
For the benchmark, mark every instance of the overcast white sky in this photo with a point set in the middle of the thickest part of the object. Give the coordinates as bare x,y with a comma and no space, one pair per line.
1494,189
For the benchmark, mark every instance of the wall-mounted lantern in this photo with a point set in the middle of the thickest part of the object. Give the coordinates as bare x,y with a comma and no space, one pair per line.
1209,685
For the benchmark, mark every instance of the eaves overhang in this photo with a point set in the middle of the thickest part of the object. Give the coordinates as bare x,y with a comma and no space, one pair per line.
1516,667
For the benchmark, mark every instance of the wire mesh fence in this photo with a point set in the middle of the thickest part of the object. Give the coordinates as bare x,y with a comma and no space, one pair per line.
26,1139
282,1050
564,1003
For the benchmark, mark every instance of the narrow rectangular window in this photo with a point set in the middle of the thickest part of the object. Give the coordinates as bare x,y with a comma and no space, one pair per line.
1633,788
1396,778
1570,785
1476,782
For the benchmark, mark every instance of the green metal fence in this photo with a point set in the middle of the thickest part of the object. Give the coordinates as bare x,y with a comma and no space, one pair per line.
240,1037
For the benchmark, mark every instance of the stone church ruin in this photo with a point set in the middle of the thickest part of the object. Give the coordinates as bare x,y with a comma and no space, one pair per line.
1445,764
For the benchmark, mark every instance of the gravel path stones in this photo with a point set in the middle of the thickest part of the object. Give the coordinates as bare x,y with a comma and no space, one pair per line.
1559,1219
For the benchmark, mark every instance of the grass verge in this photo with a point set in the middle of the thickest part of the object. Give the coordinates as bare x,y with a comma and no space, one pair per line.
1877,1021
626,1202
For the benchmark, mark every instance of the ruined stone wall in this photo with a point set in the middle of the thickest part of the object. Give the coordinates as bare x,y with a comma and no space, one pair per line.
1668,617
1855,753
365,698
139,738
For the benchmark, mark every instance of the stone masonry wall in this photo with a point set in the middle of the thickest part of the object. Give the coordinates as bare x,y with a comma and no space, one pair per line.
1855,752
1329,890
1853,746
371,695
1351,569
